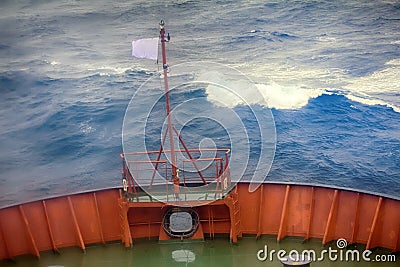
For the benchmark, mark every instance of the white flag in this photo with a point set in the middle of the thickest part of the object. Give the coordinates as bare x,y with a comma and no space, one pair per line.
145,48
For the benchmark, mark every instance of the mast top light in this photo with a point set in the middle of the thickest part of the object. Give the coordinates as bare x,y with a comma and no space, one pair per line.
162,24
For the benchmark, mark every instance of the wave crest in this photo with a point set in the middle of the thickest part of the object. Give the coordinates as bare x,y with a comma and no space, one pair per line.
379,88
285,97
272,95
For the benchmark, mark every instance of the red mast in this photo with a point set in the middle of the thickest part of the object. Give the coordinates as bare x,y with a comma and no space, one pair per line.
162,164
168,107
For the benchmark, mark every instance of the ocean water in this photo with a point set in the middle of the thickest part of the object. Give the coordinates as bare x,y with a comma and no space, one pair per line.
328,70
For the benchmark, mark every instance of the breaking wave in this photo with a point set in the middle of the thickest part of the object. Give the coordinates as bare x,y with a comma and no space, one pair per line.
379,88
292,87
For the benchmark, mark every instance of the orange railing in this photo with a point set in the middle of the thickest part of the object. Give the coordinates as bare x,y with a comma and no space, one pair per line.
199,171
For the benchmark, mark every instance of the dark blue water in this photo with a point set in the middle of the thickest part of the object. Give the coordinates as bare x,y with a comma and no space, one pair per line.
329,71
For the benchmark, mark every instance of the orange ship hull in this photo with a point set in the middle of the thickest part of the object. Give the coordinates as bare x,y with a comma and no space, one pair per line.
274,209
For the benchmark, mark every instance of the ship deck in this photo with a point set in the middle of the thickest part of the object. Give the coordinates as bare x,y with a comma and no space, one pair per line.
280,210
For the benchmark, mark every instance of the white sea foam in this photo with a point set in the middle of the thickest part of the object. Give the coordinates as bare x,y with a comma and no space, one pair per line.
53,62
270,95
379,88
291,87
394,62
229,91
86,128
279,86
372,102
326,39
109,70
284,97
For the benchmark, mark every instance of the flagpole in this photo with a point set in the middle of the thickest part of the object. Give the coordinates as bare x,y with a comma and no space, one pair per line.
168,108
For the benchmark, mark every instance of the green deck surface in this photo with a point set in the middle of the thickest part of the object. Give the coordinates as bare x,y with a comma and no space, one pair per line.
217,252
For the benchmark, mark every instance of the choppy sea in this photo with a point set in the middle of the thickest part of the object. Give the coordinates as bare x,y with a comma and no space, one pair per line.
328,70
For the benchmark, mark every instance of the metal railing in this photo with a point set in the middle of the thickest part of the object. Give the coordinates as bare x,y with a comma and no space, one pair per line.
205,174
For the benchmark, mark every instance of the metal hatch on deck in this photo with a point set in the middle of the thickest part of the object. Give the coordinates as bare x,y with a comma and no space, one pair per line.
180,222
